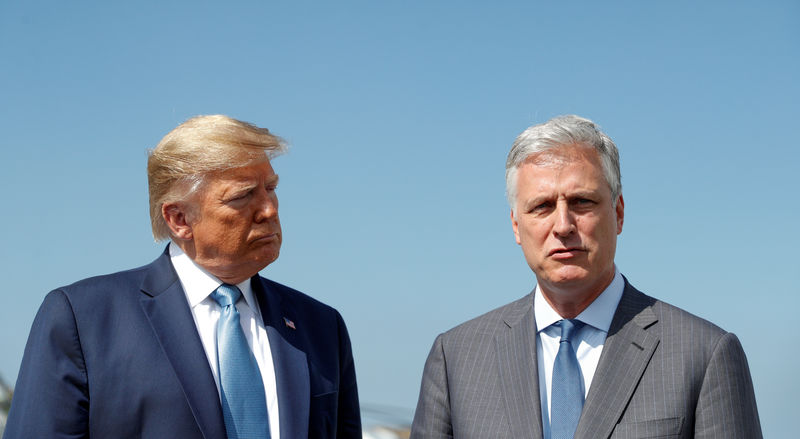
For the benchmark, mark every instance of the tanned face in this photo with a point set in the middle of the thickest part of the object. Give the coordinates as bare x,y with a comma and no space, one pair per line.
236,231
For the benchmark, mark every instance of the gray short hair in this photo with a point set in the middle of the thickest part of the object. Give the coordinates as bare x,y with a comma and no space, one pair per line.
178,165
559,132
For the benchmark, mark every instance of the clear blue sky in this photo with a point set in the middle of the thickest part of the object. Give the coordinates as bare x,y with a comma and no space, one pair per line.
400,115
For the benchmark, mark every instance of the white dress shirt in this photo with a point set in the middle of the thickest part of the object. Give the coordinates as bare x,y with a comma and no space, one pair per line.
589,339
198,284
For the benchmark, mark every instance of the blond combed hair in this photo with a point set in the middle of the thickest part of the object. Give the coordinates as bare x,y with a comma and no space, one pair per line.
178,165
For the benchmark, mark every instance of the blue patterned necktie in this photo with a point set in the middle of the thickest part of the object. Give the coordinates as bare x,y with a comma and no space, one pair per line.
244,406
567,391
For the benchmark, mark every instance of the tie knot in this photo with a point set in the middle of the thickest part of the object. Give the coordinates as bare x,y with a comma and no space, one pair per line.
226,294
568,328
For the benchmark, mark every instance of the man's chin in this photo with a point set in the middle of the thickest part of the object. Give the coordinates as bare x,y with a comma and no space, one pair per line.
567,277
267,255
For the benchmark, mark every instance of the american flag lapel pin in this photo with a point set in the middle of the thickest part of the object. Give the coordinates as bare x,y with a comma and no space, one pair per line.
289,323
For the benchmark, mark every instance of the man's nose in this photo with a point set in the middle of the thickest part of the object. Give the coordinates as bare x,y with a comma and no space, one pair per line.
267,205
564,221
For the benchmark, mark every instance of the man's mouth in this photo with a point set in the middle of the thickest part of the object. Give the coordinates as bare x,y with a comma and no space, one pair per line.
565,252
265,237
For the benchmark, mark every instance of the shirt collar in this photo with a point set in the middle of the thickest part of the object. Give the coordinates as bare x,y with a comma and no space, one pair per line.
198,283
598,314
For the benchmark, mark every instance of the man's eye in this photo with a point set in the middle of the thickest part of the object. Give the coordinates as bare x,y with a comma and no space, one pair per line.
240,196
541,207
583,202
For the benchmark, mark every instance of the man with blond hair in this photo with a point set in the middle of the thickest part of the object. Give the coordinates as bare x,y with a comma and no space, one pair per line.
195,344
585,355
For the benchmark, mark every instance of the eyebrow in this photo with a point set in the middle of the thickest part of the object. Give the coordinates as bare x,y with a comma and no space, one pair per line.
583,194
536,200
248,184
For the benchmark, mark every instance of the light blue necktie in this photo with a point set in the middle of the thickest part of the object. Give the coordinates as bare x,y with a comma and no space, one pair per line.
567,392
244,406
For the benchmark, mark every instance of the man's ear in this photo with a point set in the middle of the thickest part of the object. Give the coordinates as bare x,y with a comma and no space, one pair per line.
176,218
515,226
620,213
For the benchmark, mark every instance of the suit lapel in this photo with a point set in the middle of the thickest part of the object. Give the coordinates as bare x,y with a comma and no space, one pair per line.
517,365
626,353
164,304
291,365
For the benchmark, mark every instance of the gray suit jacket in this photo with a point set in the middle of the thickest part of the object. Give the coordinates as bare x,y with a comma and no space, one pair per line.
663,373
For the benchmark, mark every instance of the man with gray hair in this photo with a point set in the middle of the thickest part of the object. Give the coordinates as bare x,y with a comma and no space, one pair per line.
195,344
585,355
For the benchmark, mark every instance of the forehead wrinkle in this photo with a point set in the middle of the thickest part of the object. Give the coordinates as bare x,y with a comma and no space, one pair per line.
245,174
545,160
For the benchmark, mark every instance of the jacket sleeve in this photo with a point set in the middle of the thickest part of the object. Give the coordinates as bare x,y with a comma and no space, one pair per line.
726,407
432,416
348,424
51,397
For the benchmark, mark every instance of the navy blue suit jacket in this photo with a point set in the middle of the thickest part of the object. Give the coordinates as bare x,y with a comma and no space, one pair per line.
118,356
